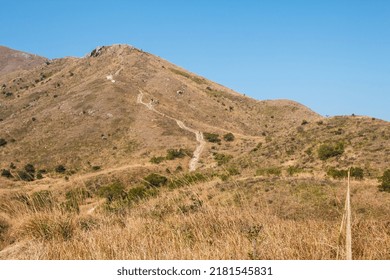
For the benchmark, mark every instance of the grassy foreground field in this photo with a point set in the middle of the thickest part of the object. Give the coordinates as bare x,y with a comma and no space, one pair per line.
194,216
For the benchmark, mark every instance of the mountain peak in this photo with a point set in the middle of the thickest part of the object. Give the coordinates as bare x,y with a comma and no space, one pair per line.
99,50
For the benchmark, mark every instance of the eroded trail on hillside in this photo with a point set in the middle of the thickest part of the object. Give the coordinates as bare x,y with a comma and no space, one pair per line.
198,134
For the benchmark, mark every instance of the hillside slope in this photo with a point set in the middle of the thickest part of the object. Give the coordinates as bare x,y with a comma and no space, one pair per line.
13,60
74,111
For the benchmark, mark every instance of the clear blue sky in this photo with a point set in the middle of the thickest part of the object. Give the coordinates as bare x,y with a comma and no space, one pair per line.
333,55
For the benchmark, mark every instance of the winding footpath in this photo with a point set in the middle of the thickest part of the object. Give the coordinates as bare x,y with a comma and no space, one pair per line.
198,134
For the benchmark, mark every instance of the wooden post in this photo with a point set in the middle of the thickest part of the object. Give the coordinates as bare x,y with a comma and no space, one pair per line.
348,240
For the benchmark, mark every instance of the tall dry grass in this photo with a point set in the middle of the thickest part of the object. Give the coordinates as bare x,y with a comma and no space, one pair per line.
264,219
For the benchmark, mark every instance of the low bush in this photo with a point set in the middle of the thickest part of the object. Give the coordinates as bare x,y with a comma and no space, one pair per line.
336,173
173,154
355,173
24,176
229,137
385,181
155,180
30,169
6,173
39,175
222,158
114,191
326,151
60,169
212,137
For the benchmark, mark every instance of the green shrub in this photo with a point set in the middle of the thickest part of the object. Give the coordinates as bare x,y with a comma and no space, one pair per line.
229,137
24,176
222,158
179,168
39,175
385,181
6,173
357,173
336,173
173,154
115,191
212,137
326,151
30,169
60,169
155,180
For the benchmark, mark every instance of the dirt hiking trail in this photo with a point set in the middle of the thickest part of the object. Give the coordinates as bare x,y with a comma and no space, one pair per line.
198,134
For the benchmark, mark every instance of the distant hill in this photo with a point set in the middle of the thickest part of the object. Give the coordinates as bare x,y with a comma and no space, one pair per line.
12,60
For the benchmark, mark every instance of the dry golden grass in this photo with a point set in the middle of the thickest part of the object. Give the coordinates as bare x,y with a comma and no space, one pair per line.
265,219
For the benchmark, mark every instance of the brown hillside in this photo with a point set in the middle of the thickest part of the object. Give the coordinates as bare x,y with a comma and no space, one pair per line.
71,112
13,60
